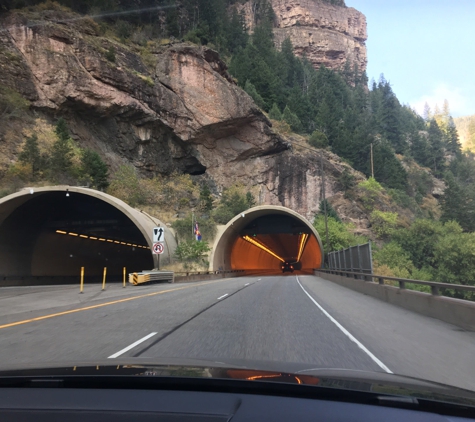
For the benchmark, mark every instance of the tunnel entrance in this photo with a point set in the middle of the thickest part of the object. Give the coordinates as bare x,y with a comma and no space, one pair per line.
265,238
55,233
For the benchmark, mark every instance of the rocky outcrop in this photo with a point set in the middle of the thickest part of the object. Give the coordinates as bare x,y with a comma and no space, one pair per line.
178,117
325,34
186,114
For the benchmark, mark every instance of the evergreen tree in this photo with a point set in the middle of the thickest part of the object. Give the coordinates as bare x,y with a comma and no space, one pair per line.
251,90
206,200
331,212
275,113
250,200
292,119
31,154
62,152
61,129
437,155
94,169
457,204
346,180
453,143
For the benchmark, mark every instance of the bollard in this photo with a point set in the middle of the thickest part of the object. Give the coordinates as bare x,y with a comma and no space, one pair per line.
104,279
124,271
81,288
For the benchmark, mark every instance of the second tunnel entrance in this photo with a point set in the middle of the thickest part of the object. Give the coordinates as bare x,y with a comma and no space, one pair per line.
264,238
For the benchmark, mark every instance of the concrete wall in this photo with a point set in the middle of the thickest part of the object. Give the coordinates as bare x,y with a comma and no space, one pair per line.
454,311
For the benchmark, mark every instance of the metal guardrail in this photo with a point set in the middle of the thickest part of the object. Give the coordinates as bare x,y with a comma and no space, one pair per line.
148,276
357,258
434,285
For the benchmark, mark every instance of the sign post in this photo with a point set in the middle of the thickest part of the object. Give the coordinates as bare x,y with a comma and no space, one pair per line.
158,237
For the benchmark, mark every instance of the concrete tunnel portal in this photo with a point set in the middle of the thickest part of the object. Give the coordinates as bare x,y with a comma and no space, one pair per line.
50,233
264,237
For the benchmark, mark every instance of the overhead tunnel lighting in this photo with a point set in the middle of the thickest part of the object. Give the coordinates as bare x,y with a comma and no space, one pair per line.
100,239
263,247
302,242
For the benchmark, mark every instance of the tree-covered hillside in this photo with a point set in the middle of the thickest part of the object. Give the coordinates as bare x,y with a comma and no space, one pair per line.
337,110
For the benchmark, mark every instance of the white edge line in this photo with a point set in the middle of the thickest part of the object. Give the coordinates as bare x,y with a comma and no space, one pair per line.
219,298
121,352
247,284
346,332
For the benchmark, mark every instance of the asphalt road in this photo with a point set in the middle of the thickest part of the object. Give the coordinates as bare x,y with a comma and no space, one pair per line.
302,319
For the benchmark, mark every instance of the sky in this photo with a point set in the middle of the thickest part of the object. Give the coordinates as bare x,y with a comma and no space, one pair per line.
425,49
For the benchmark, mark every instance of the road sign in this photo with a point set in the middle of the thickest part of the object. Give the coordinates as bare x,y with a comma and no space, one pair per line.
158,248
158,234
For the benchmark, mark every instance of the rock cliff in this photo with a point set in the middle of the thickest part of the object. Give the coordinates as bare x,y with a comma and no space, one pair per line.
325,34
185,113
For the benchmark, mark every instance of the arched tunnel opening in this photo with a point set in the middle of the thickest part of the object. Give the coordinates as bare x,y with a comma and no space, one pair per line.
266,238
53,234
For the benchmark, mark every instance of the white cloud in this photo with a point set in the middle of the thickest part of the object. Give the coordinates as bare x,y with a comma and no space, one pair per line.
459,105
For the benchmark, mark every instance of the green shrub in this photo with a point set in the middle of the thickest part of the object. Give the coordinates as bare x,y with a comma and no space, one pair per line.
383,223
339,234
370,190
110,54
318,139
192,252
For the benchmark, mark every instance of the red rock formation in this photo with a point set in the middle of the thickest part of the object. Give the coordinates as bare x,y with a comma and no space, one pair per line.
325,34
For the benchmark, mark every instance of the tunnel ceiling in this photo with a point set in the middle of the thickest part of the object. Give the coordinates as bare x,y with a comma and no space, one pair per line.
275,224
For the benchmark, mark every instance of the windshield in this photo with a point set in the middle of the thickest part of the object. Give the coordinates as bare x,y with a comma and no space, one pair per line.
267,184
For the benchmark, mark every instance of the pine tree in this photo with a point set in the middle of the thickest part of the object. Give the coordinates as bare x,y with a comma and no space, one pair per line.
61,129
31,154
250,200
346,180
437,156
292,119
206,200
427,113
62,152
331,212
453,142
275,113
95,169
251,90
457,204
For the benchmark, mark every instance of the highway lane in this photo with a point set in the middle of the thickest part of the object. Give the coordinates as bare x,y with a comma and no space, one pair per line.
257,318
273,320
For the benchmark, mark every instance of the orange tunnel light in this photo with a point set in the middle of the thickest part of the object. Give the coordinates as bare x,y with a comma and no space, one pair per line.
302,242
263,247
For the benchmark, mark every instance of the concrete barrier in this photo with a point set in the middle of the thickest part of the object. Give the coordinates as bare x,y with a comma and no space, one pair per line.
454,311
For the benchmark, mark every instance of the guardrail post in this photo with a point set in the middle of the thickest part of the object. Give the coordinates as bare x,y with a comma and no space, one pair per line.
434,290
81,287
402,284
380,280
104,279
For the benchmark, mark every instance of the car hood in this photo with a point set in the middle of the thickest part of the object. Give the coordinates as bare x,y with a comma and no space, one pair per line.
255,371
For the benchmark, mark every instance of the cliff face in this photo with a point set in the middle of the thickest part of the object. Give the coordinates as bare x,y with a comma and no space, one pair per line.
325,34
183,114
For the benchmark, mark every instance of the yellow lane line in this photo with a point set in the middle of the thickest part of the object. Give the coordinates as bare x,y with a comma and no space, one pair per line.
72,311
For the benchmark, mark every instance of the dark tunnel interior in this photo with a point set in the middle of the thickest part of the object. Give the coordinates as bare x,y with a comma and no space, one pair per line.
57,233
